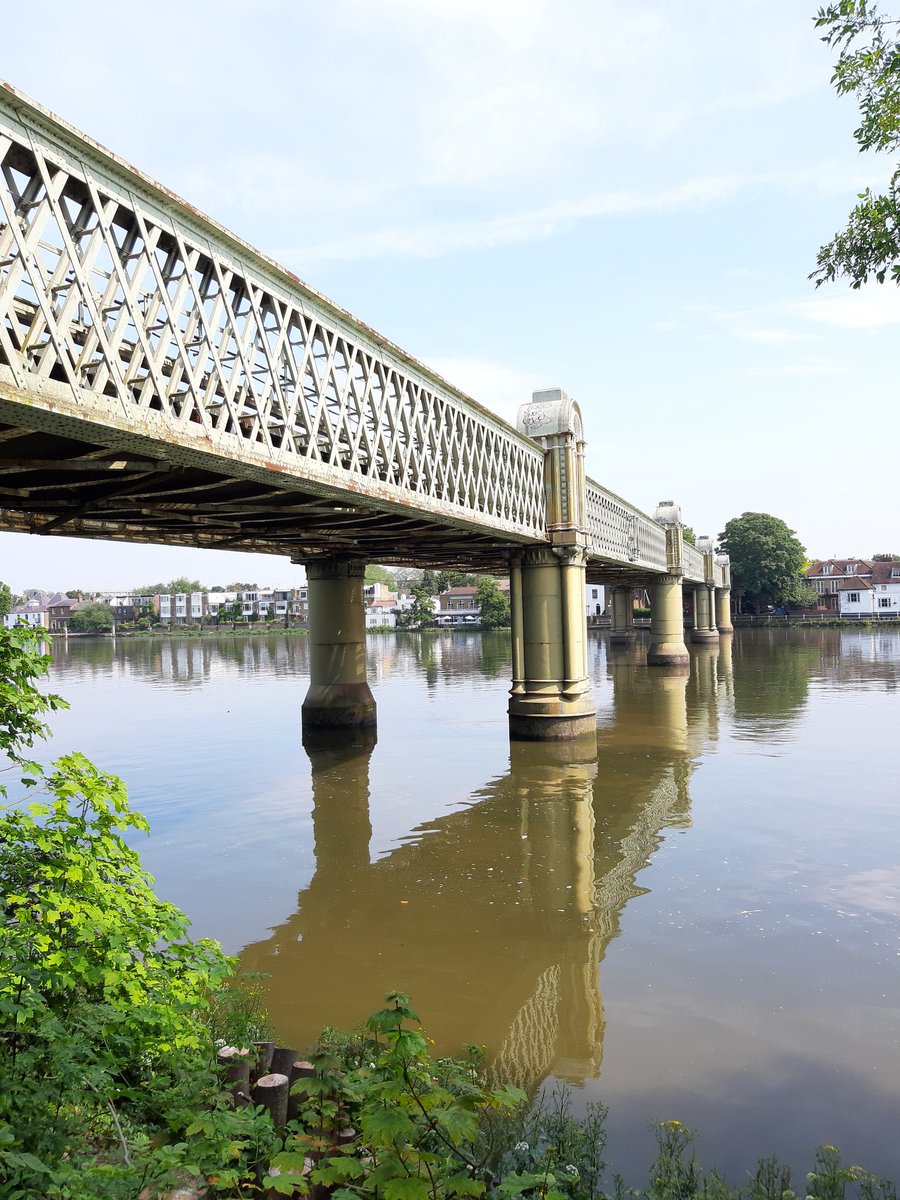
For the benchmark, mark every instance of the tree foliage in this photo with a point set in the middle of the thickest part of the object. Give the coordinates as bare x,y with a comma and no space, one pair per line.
422,610
180,586
493,605
106,1049
376,574
6,598
767,560
93,618
868,65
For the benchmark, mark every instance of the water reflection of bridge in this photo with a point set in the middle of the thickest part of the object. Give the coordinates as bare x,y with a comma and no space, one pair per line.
496,917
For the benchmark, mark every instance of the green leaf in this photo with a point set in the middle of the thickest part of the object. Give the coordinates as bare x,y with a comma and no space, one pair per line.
409,1187
383,1126
407,1043
338,1170
459,1125
464,1185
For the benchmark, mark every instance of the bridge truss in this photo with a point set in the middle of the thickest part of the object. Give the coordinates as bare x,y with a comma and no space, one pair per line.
162,381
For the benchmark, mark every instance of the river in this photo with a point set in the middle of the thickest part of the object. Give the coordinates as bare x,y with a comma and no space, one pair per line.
701,924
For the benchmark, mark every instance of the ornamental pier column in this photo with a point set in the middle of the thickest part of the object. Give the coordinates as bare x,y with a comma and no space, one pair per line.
550,698
339,695
705,630
723,595
621,603
667,648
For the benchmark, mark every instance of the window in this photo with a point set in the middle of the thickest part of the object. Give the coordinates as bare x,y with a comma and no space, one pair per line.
853,597
827,569
884,602
851,568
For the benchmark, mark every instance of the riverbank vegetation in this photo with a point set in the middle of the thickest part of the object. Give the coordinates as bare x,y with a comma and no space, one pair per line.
110,1016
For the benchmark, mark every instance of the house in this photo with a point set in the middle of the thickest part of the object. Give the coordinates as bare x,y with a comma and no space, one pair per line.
832,577
126,606
875,595
459,605
595,600
33,613
58,608
380,613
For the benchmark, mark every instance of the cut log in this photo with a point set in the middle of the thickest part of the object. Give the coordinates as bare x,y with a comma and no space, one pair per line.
271,1091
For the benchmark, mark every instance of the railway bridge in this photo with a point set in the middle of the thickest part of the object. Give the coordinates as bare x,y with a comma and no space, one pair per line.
162,381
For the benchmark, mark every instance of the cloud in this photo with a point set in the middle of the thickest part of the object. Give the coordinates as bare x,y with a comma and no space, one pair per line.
774,337
870,307
434,239
500,388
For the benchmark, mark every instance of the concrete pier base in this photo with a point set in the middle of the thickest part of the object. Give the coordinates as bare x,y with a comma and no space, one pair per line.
622,632
550,698
339,696
667,648
704,630
723,610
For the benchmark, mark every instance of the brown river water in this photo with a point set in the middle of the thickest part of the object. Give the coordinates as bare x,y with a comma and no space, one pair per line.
700,924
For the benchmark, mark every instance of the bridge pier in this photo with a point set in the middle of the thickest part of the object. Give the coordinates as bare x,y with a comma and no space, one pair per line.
550,698
723,610
621,602
667,648
704,620
723,595
339,695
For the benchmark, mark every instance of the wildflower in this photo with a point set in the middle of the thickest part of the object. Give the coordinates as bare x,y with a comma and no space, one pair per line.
521,1146
572,1170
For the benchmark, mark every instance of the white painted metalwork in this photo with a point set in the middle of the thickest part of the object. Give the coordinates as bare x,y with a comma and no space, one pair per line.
694,563
620,533
119,303
128,315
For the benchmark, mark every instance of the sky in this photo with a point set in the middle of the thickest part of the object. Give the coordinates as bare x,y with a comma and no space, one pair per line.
624,201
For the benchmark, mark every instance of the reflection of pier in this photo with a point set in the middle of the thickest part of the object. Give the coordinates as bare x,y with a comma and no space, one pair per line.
494,918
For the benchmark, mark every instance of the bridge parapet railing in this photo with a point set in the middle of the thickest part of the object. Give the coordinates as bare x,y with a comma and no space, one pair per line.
694,566
123,306
619,532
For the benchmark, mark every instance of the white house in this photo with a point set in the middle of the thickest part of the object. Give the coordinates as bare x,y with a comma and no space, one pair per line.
32,614
875,594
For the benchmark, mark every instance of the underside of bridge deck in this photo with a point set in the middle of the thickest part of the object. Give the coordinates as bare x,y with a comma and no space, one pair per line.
51,483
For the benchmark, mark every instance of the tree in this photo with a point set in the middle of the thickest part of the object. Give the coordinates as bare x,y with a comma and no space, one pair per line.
689,536
6,598
869,65
182,585
376,574
767,560
93,618
422,610
494,606
886,558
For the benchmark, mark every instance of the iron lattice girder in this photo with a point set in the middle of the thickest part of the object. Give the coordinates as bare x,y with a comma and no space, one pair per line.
131,323
77,489
141,311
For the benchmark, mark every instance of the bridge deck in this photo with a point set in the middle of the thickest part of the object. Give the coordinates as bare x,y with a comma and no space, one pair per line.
160,380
